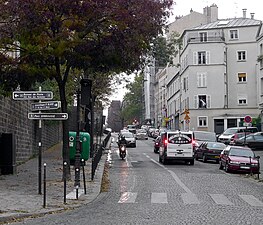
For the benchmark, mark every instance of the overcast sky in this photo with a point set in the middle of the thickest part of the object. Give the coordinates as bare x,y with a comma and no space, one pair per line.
226,8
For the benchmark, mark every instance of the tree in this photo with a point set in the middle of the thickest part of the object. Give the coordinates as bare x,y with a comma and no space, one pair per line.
53,37
132,102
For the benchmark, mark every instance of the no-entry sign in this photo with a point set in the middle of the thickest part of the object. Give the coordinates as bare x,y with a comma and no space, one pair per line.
247,119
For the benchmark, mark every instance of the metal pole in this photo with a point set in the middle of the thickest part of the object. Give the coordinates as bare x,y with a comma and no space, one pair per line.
39,154
78,148
84,178
65,182
45,186
250,166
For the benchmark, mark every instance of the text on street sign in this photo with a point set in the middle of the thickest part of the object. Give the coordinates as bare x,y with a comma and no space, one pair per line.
47,116
32,95
46,105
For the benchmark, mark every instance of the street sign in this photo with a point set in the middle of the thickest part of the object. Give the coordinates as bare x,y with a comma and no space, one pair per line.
247,124
47,116
32,95
247,119
187,117
45,105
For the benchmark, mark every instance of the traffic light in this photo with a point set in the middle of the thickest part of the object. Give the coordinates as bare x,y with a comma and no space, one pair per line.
85,91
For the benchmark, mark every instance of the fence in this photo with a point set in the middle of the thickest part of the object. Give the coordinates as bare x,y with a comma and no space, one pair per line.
99,148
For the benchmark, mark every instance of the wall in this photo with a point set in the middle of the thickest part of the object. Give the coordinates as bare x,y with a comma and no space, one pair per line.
14,119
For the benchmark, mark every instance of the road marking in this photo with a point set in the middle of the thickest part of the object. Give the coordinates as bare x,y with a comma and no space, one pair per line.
251,200
72,195
220,199
159,198
128,197
190,198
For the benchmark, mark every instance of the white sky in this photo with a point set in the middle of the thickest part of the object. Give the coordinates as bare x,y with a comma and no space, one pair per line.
226,8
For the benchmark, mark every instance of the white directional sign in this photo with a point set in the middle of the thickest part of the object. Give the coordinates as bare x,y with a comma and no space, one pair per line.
47,116
45,105
32,95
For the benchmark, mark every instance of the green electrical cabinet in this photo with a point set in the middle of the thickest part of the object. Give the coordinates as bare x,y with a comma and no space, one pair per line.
85,146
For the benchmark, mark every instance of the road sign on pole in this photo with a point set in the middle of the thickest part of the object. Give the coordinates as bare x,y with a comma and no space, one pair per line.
32,95
47,116
45,105
247,119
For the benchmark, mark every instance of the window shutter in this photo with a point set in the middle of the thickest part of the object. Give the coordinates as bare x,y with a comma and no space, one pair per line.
195,58
198,80
196,101
207,57
204,80
208,101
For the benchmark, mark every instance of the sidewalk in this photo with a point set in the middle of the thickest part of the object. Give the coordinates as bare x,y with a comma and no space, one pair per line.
19,193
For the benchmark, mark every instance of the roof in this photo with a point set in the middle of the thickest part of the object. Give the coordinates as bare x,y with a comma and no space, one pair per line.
228,23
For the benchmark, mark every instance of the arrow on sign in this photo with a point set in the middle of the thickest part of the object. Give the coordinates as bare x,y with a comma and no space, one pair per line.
32,95
47,116
45,105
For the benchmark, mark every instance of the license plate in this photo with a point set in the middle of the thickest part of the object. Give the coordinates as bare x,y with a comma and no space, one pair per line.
216,157
244,167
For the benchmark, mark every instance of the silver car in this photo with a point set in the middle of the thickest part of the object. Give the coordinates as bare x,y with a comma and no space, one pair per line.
130,138
141,134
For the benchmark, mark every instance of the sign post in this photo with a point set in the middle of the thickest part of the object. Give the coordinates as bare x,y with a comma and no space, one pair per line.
248,121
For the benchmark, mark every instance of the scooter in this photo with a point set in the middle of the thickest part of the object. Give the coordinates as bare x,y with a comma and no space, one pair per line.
122,151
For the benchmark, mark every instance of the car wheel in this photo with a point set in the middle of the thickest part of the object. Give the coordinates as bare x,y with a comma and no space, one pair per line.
204,159
164,160
220,165
196,157
227,168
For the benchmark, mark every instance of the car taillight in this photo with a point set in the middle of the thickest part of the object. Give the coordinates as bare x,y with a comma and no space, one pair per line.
165,142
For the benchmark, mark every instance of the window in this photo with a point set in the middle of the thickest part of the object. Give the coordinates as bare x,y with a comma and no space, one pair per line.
242,100
201,80
242,77
203,36
233,34
241,55
202,101
202,121
201,58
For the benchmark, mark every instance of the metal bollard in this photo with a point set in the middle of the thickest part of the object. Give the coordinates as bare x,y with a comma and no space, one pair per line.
77,186
84,178
65,182
258,157
250,166
45,186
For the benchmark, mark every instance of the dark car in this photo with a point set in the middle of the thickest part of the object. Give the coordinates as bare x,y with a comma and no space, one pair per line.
209,151
202,136
237,158
253,141
237,136
157,142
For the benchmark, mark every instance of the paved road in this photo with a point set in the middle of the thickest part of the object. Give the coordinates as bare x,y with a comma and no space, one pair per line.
142,191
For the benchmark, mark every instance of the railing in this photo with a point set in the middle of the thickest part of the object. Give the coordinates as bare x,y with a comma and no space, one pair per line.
98,150
205,39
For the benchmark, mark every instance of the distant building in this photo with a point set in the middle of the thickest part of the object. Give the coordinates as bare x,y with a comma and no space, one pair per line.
114,116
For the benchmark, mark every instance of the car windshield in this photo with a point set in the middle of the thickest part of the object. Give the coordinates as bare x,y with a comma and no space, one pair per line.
203,136
241,152
128,135
216,145
179,138
230,131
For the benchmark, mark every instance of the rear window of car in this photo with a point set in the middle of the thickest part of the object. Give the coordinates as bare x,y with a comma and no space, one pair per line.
204,136
180,138
128,135
216,145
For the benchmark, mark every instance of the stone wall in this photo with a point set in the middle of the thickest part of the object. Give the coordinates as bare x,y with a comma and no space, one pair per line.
14,119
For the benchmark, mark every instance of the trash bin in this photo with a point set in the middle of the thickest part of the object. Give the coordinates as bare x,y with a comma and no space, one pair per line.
85,146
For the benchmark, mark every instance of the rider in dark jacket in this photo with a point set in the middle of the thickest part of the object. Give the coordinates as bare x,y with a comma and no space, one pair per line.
122,141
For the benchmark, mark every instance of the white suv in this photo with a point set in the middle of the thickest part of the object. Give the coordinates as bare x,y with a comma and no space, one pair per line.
177,145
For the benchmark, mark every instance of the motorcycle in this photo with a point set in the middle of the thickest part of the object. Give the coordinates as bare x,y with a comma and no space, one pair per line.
122,151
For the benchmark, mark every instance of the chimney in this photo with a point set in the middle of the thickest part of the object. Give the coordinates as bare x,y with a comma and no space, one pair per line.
252,15
244,13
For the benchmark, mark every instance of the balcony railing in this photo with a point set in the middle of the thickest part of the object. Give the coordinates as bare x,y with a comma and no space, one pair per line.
205,39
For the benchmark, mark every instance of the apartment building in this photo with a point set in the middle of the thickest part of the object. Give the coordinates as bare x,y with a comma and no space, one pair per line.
218,74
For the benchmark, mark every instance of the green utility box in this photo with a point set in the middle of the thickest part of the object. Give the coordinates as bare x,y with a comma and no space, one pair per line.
85,146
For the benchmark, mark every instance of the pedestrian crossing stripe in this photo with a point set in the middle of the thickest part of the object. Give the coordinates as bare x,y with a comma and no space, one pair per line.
190,199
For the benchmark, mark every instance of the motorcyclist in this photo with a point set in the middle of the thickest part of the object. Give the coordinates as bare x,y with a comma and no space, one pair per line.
122,141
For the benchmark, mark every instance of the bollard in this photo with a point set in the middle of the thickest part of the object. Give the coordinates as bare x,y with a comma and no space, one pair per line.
250,166
258,157
45,185
77,186
84,178
65,182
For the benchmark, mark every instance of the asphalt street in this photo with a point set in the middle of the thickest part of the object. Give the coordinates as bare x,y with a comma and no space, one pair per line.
143,191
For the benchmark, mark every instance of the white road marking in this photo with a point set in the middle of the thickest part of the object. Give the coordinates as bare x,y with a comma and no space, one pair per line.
159,198
190,198
220,199
128,197
72,195
251,200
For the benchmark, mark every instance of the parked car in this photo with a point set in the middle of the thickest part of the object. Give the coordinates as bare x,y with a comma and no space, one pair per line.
141,134
130,138
209,151
202,136
237,158
228,133
253,141
132,128
157,142
237,136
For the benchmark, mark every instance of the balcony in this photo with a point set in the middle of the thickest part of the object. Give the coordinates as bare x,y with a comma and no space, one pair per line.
205,39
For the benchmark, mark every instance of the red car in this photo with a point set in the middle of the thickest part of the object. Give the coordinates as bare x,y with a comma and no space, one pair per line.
237,158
